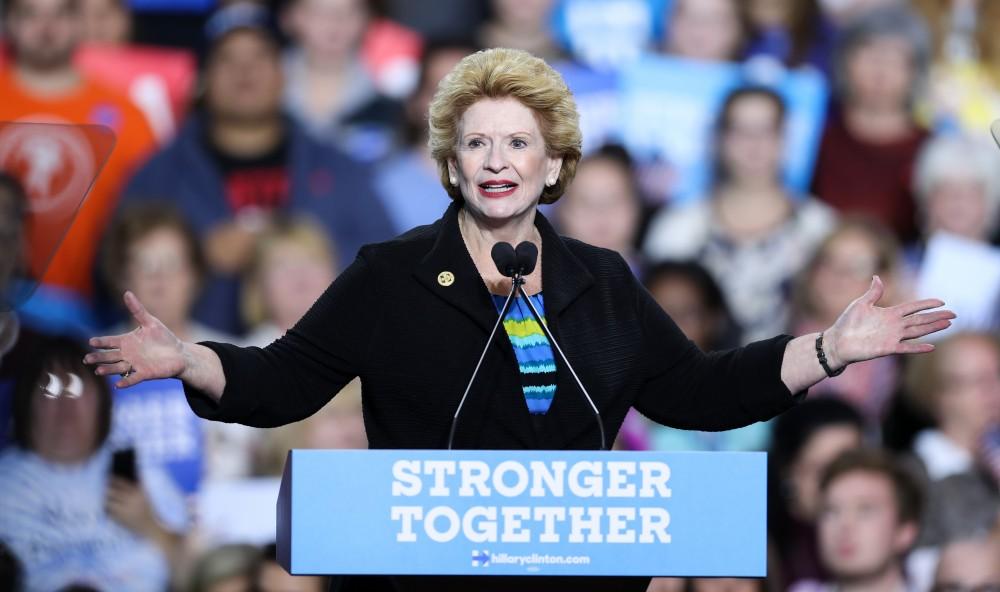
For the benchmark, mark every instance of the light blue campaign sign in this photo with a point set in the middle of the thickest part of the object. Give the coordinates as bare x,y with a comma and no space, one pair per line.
425,512
669,109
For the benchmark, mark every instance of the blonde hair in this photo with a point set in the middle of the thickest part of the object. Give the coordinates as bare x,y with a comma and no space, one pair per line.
500,73
297,231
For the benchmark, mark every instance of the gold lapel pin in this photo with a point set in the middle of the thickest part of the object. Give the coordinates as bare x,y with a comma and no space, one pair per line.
446,278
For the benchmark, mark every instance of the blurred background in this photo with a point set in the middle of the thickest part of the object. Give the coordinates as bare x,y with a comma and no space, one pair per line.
755,161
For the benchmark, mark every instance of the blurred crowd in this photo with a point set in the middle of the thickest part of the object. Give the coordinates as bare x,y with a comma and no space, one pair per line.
257,145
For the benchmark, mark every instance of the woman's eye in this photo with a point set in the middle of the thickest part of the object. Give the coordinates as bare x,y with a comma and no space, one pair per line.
475,143
518,143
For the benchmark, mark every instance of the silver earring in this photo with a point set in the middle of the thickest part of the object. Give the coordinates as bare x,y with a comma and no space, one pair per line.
454,181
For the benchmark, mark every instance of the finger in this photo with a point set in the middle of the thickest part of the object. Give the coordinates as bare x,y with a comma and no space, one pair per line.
106,342
908,308
921,330
914,348
120,367
138,311
875,291
106,356
133,379
928,317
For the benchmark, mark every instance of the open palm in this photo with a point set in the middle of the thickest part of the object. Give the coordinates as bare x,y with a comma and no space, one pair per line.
147,352
865,330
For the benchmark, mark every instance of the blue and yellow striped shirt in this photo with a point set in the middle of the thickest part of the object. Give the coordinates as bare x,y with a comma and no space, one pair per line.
534,353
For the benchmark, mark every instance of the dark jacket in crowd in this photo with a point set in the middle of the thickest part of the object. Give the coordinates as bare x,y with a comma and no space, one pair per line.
414,342
326,185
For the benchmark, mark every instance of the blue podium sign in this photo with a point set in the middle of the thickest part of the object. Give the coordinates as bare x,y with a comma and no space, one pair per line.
500,512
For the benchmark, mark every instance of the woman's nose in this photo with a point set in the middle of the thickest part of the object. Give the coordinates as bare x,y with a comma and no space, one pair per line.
495,161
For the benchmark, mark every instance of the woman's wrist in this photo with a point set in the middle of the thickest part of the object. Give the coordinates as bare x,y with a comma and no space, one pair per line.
202,369
829,341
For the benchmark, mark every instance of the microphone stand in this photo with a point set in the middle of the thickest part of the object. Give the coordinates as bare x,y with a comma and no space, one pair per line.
555,345
516,282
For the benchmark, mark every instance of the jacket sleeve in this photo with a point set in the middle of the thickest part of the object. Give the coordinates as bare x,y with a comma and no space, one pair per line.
690,389
296,375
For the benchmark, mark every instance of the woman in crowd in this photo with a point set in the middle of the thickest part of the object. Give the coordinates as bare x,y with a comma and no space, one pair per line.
521,24
152,250
752,234
794,32
602,205
871,139
63,511
505,134
707,30
855,250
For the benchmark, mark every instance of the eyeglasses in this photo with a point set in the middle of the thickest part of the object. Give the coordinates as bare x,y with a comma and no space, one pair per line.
72,388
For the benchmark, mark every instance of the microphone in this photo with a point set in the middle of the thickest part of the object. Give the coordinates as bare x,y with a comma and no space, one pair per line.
526,256
506,261
995,131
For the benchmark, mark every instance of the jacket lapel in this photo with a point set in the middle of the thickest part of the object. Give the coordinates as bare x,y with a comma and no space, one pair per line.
449,272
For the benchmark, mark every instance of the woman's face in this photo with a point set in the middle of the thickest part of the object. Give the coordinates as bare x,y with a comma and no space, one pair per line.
705,30
844,272
880,73
819,451
680,298
64,415
502,164
160,273
331,29
751,143
957,204
600,207
292,279
522,13
970,401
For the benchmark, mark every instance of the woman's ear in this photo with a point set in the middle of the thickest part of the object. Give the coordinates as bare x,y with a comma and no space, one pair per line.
452,172
552,169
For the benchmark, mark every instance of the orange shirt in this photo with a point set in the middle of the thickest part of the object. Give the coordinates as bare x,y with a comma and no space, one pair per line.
90,103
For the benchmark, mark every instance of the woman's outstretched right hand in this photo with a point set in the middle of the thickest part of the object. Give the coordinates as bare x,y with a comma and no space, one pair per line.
147,352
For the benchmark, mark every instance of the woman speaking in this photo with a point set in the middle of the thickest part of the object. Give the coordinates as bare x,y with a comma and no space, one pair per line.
411,316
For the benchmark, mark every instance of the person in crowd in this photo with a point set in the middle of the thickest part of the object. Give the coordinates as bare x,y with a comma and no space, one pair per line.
856,248
602,206
407,180
271,577
227,568
752,233
964,84
793,32
970,564
690,295
706,30
292,264
869,519
505,134
804,442
152,250
240,159
521,24
871,140
63,511
41,84
106,22
957,185
959,386
328,89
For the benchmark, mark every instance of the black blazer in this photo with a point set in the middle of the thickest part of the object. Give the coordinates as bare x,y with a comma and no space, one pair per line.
414,342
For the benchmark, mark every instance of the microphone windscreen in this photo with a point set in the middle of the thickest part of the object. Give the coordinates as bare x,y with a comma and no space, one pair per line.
504,258
527,257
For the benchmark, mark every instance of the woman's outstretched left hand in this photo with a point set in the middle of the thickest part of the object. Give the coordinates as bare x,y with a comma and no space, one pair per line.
866,330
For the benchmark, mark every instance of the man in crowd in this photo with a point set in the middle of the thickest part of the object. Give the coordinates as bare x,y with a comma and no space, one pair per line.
240,160
869,520
41,84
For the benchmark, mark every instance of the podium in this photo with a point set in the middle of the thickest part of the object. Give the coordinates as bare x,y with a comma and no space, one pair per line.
499,512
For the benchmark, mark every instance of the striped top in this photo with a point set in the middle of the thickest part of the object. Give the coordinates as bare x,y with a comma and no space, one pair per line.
533,351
